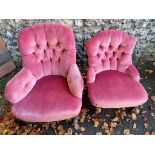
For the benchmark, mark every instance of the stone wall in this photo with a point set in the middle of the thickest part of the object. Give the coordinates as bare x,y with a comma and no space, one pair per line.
143,30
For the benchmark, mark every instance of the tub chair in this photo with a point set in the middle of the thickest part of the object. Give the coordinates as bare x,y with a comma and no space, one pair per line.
49,86
113,81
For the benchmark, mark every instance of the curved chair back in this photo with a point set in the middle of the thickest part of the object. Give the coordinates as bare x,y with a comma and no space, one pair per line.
47,49
110,50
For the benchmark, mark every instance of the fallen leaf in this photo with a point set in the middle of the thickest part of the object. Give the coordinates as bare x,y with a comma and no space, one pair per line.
5,131
76,126
113,124
144,112
134,126
82,128
153,98
45,125
98,110
137,110
60,127
147,133
69,131
61,130
82,118
126,131
99,133
107,115
152,114
133,116
115,119
105,126
146,125
149,71
84,110
96,123
107,131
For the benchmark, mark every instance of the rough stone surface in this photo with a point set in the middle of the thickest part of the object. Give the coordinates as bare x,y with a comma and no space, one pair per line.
143,30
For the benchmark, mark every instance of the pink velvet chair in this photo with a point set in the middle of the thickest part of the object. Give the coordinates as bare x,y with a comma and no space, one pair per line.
113,81
49,87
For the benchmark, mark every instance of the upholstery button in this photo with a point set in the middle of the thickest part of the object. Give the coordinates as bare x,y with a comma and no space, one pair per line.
120,46
106,54
37,45
53,51
99,55
63,50
58,43
110,46
101,47
114,52
110,58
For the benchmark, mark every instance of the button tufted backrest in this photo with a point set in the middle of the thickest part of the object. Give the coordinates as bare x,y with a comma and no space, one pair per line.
110,50
47,49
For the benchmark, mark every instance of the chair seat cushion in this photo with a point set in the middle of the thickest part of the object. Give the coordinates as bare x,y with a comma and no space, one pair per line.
114,89
49,100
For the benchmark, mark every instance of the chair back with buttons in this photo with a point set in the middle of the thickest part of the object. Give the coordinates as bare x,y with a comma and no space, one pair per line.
47,49
110,50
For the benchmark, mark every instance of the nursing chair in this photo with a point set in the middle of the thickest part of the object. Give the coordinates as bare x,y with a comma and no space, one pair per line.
49,86
113,80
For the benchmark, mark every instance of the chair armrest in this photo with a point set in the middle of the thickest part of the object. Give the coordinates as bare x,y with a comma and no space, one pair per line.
133,73
19,86
75,81
91,75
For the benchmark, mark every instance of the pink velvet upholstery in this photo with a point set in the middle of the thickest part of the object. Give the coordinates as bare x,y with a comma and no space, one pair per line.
49,100
111,75
49,87
114,89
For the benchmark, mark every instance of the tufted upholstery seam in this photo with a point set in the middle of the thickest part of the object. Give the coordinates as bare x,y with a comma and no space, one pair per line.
110,50
47,49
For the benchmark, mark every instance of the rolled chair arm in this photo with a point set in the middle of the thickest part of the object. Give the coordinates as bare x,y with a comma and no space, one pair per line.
19,86
133,73
75,81
91,75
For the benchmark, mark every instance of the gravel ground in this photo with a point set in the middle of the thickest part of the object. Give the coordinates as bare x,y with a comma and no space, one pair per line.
91,121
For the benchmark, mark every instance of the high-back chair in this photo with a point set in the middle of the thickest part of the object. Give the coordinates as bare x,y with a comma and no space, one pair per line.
49,86
113,81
